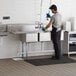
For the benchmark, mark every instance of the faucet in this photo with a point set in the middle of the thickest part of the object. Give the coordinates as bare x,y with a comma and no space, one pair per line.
39,25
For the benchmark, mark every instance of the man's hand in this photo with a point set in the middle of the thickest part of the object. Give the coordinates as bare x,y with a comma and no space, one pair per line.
43,28
47,26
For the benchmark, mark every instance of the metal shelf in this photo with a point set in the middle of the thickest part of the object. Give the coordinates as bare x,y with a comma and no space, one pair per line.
71,43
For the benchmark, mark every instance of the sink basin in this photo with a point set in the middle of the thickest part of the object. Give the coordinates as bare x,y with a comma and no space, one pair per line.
29,28
22,28
25,29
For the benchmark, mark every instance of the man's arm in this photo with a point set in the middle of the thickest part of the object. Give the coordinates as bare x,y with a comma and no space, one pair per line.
48,25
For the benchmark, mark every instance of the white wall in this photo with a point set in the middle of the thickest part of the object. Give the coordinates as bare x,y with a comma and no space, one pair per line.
24,11
20,11
45,9
28,11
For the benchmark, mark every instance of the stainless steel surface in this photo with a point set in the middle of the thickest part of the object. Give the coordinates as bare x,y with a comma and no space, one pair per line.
71,43
72,36
21,29
29,34
3,33
31,37
45,36
3,28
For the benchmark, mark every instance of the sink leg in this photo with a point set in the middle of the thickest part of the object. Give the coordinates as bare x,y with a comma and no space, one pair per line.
26,51
22,49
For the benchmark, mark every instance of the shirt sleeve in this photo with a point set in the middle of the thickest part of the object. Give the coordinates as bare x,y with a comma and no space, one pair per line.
52,19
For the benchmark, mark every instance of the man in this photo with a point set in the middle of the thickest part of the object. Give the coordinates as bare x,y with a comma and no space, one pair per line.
55,21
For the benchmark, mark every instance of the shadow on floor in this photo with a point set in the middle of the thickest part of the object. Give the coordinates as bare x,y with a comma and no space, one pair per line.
49,61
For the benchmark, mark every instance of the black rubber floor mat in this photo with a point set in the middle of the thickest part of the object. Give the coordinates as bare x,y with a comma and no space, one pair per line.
49,61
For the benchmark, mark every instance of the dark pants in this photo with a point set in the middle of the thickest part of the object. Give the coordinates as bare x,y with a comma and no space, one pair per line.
55,37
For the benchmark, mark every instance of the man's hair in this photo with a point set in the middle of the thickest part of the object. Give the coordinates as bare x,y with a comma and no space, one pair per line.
54,7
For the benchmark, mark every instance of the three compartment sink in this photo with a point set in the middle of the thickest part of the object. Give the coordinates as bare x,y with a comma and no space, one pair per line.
30,33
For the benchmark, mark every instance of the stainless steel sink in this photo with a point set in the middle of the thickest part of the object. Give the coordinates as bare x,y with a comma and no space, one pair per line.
22,28
25,28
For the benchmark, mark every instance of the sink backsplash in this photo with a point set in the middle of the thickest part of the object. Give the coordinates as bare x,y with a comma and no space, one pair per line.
16,28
